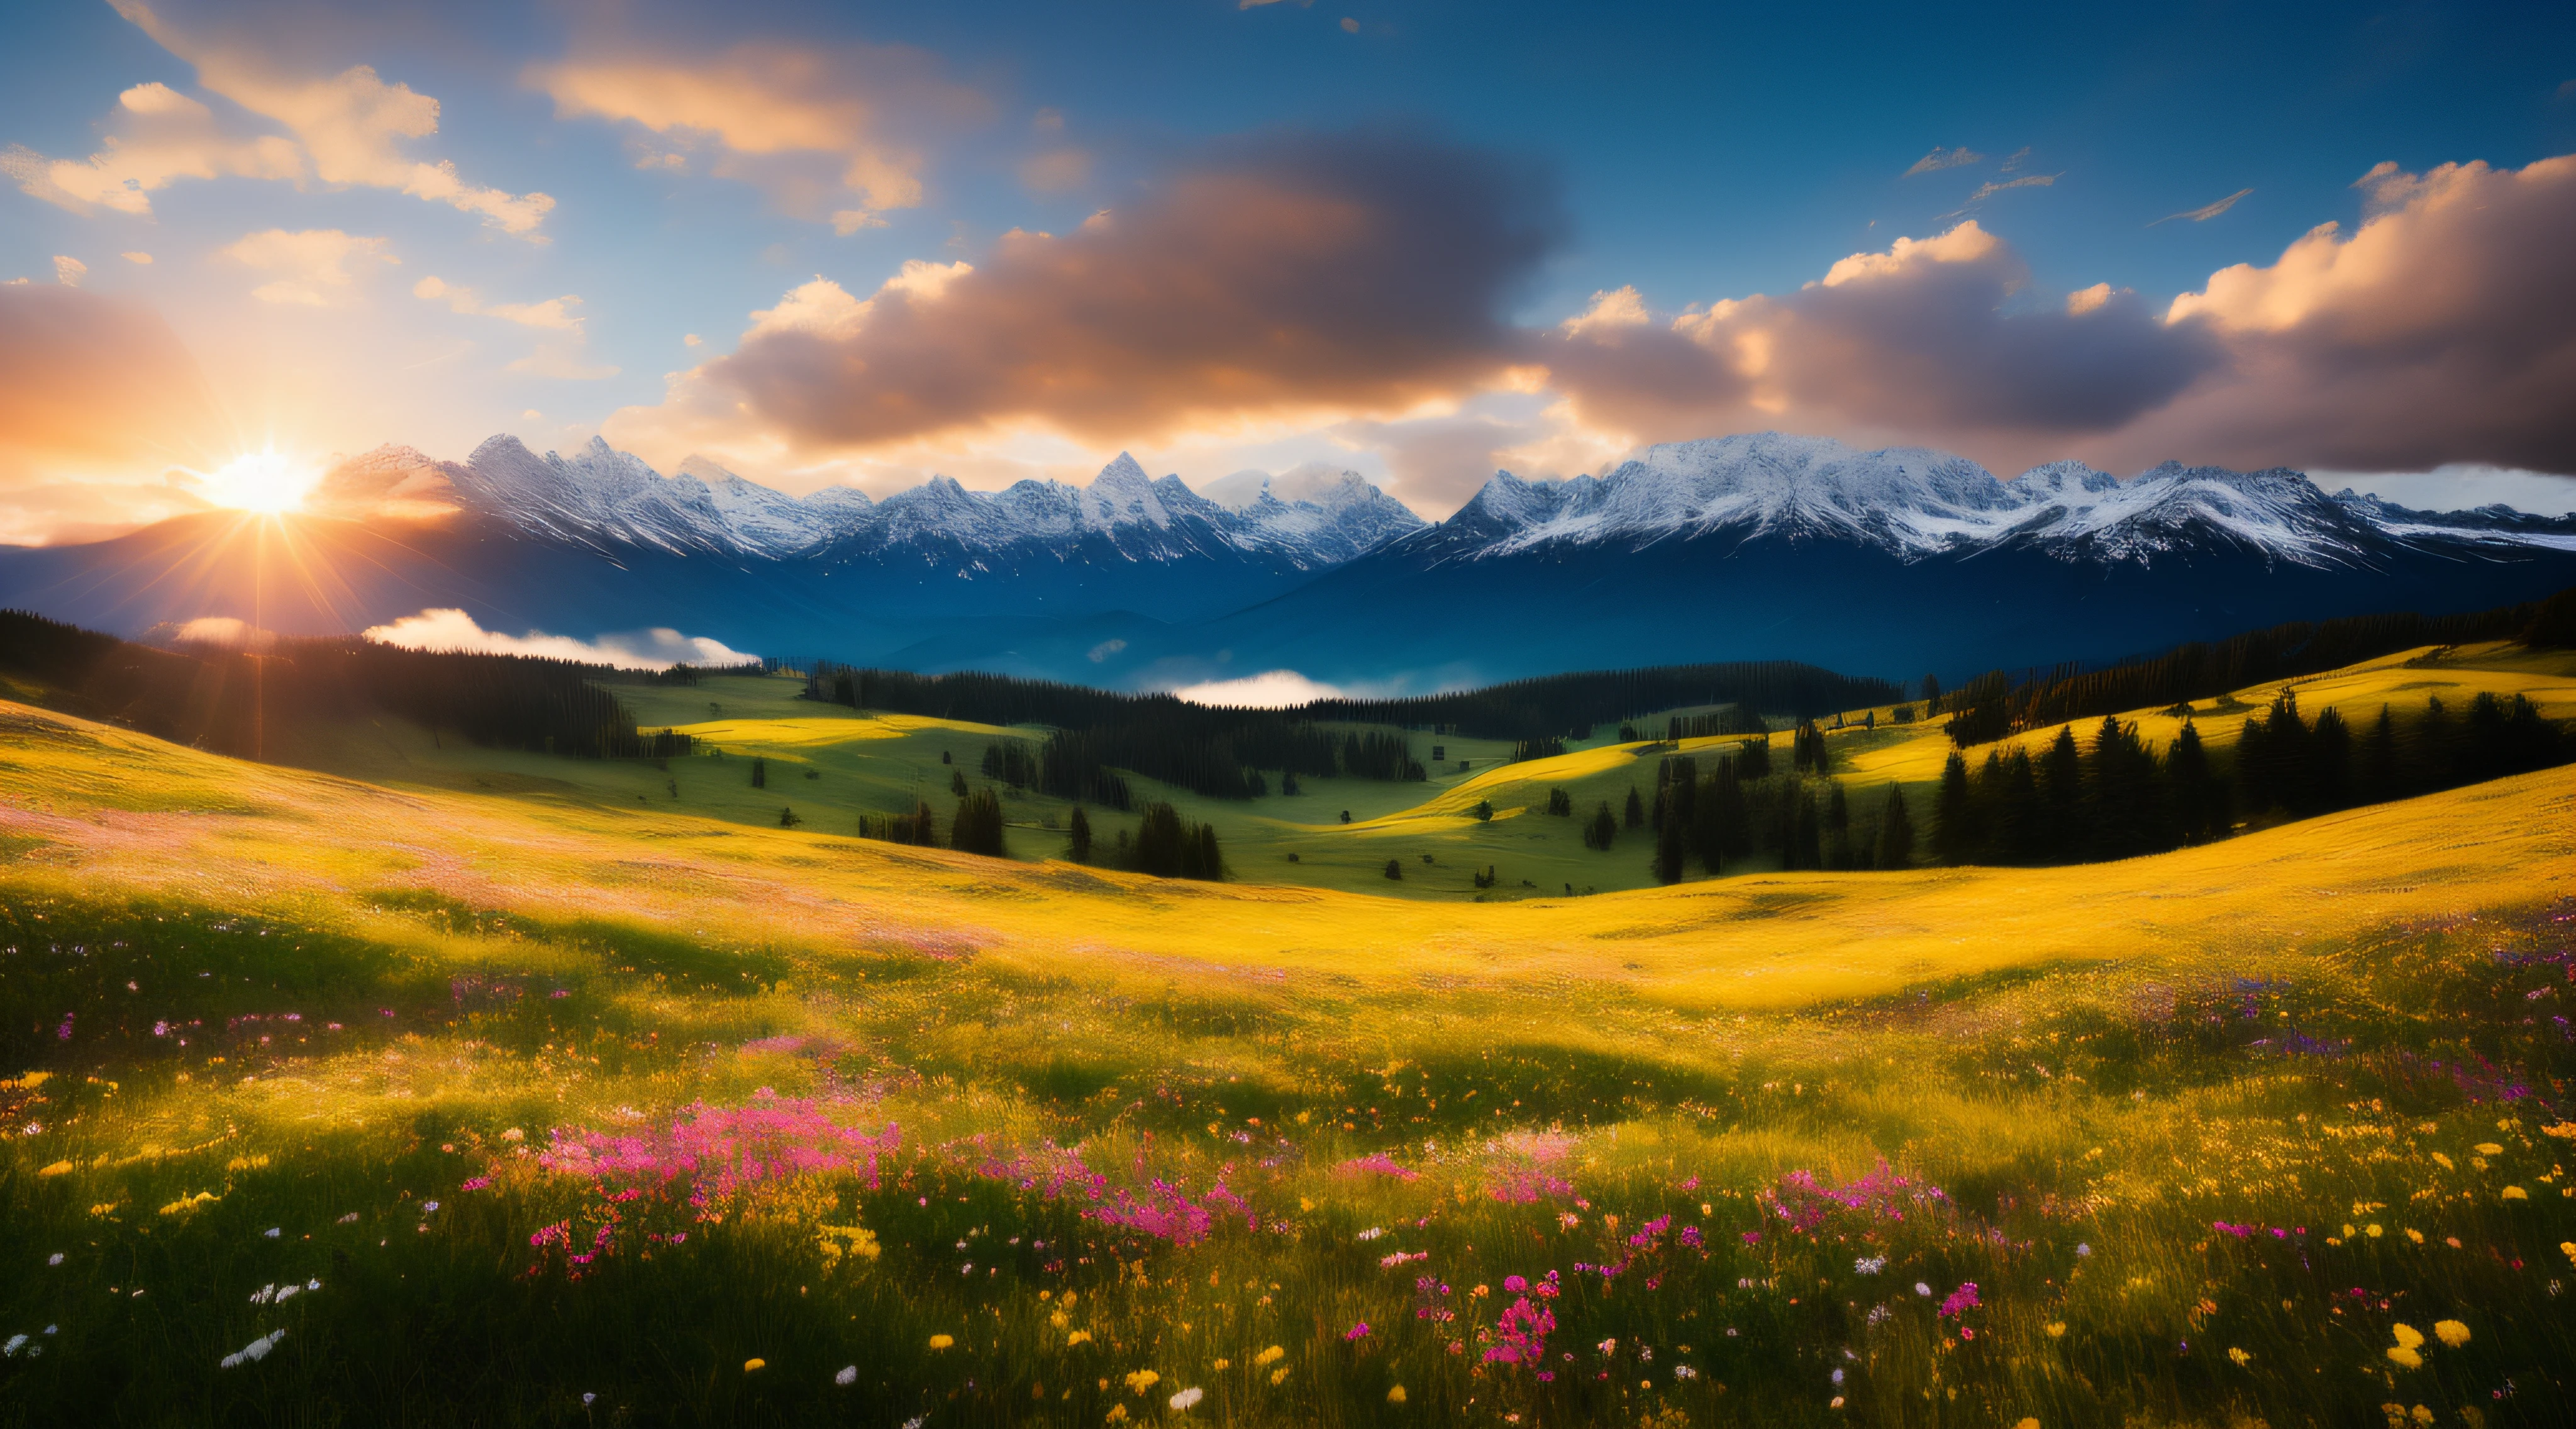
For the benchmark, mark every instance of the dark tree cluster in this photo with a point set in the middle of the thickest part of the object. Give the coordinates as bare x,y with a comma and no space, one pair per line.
1734,719
1012,762
920,827
1546,747
239,702
1556,705
1994,705
978,826
2120,798
1163,844
2071,805
1807,752
1217,753
1742,810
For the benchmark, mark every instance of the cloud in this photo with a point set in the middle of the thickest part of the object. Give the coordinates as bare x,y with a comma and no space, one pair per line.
564,361
2442,329
825,133
653,649
1269,690
2206,212
349,127
1286,276
1056,171
1925,339
1941,158
69,271
1988,190
156,137
312,266
142,258
554,313
98,400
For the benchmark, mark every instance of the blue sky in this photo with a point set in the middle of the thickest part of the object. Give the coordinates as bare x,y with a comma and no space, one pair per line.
1689,154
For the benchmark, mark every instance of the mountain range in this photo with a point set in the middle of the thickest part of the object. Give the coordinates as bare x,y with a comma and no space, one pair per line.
1891,562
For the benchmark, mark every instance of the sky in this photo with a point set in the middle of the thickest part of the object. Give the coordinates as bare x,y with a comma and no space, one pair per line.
859,244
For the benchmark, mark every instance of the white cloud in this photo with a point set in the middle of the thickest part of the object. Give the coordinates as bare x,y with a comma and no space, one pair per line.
2205,212
1941,158
157,136
69,271
553,313
350,126
1269,690
143,258
1988,190
654,649
2461,487
312,266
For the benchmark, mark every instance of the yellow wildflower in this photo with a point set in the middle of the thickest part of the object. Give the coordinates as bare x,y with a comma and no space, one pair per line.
1224,1365
2407,1335
2373,1230
2030,1421
754,1365
2451,1332
2487,1148
2057,1329
1078,1337
941,1342
2421,1415
2240,1356
56,1169
2564,1130
1274,1354
185,1204
1142,1380
1117,1413
1279,1375
2444,1160
2516,1193
2414,1235
2405,1358
1395,1395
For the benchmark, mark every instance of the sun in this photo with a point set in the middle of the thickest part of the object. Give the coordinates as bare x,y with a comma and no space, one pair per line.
267,481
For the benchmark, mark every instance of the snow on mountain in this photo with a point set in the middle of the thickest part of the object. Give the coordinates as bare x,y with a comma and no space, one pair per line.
599,495
1915,502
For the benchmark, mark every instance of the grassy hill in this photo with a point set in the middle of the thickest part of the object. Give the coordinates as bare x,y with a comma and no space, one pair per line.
830,764
561,1100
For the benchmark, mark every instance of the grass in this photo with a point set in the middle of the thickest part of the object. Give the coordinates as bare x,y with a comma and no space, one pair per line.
1001,1139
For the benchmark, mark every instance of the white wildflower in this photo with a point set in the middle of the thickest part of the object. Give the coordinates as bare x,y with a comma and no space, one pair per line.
253,1352
849,1375
1188,1397
1371,1233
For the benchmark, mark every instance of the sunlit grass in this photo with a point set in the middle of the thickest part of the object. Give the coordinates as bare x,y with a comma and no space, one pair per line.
246,998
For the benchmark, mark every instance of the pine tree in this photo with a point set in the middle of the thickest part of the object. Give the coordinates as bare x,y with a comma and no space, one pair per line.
978,828
1838,847
1636,812
787,818
1671,848
1560,803
1483,813
1395,869
1603,830
1080,851
1954,837
759,772
1896,829
957,782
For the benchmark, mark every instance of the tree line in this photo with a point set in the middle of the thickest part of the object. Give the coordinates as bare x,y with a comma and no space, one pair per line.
1216,753
2119,796
243,702
1994,705
1744,807
1163,844
1561,706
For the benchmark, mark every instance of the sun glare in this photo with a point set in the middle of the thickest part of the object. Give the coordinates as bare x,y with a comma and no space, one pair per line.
267,481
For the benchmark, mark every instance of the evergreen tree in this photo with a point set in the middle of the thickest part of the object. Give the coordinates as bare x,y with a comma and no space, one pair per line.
1395,869
957,782
1560,803
1168,847
1080,850
1603,830
1671,848
759,772
1837,839
1636,811
1753,759
2328,775
2061,782
1955,838
787,818
2199,800
1896,828
978,827
2377,766
1483,813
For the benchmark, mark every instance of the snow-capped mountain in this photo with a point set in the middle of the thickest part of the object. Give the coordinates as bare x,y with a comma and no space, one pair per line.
600,497
1912,503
